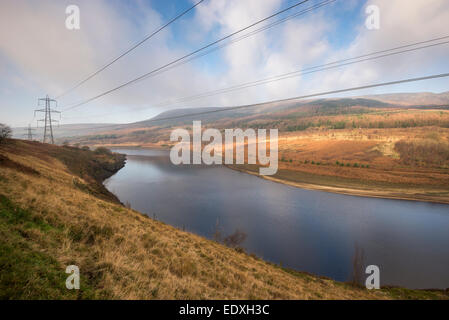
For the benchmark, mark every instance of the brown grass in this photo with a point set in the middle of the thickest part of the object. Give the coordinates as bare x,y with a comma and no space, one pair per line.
123,254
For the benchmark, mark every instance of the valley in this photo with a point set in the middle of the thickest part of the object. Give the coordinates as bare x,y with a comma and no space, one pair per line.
385,148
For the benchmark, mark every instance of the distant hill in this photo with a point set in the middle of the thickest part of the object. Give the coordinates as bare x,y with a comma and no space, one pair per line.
265,111
422,99
175,116
66,130
413,99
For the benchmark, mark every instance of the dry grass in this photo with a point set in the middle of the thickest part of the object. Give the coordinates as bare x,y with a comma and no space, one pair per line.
371,156
123,254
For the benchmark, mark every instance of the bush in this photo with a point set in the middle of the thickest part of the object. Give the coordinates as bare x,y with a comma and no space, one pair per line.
103,150
424,152
5,132
236,239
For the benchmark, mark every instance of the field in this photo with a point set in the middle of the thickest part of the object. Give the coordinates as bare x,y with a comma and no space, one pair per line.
391,163
54,213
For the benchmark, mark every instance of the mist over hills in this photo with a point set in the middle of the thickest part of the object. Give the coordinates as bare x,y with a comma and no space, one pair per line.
413,99
65,130
183,116
209,114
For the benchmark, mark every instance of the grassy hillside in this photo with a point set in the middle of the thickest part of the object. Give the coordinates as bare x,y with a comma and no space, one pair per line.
54,212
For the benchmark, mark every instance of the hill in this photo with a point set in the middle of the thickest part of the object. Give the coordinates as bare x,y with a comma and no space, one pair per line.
54,212
91,133
413,99
390,146
65,130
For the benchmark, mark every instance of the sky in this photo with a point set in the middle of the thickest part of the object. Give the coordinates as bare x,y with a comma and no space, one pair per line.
39,56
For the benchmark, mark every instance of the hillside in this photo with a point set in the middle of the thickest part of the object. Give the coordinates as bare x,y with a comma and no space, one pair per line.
411,99
378,111
65,130
359,145
175,116
54,212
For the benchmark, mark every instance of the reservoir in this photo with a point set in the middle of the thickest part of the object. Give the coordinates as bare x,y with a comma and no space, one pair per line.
312,231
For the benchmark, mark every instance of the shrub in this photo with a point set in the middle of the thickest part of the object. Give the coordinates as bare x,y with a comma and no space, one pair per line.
425,152
5,132
339,125
236,239
103,150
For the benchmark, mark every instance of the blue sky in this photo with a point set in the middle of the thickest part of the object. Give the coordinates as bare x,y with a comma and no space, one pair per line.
39,56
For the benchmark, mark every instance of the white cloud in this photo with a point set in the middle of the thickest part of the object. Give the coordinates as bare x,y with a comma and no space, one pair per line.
402,22
40,53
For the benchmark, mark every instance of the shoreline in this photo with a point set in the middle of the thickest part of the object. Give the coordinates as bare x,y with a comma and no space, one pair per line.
345,190
370,193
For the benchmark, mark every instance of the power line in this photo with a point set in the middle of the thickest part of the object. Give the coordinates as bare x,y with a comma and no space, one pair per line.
245,36
48,121
309,70
313,95
186,56
131,49
29,133
443,75
254,32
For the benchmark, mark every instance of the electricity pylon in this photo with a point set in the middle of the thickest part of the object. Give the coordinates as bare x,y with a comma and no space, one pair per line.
29,133
48,121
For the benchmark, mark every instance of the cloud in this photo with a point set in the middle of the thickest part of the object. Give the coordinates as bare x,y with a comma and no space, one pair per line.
50,57
401,22
39,53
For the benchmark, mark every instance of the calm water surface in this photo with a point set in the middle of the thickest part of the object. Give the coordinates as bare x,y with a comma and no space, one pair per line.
307,230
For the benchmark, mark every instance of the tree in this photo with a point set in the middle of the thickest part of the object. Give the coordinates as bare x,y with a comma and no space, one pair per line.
5,132
236,239
102,150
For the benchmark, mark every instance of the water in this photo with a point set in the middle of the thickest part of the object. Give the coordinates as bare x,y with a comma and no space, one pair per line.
306,230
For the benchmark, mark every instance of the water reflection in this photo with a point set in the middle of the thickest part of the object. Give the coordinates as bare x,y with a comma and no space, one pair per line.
306,230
